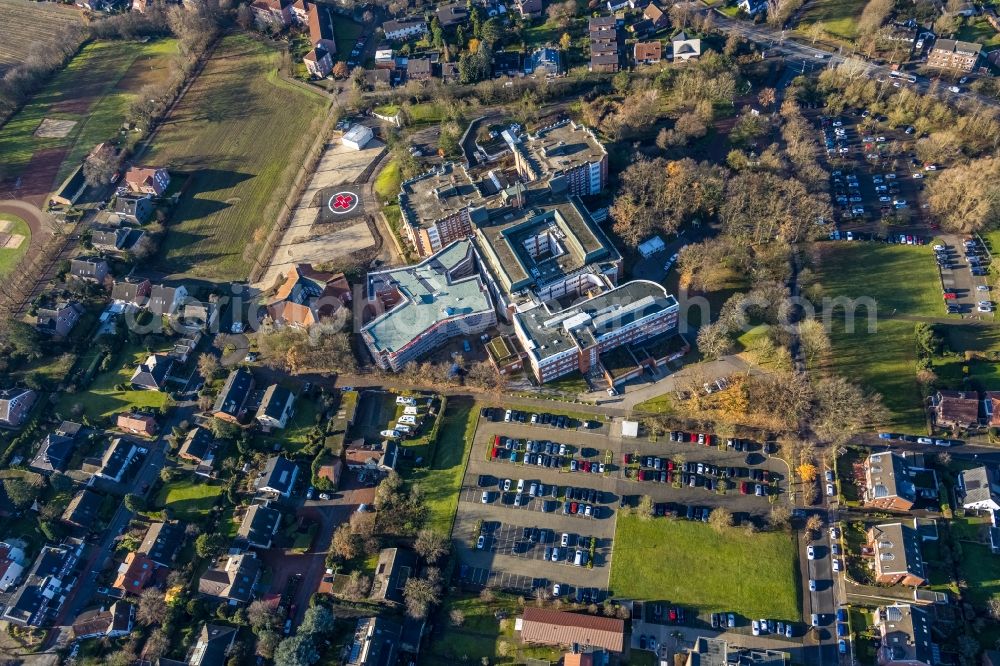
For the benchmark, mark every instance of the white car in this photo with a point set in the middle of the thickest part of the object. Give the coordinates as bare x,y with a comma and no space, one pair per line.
520,485
954,89
556,590
836,565
930,167
812,585
918,176
982,287
810,553
755,627
890,176
829,490
984,308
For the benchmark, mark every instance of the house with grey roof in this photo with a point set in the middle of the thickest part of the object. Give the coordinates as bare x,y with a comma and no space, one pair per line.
258,527
394,568
889,482
58,320
905,635
138,209
979,488
15,405
162,543
232,578
91,269
230,404
276,407
278,476
898,554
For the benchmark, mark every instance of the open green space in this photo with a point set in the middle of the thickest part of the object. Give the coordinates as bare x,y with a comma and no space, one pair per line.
94,90
481,633
695,566
978,29
388,180
191,498
839,17
103,399
900,279
296,434
442,480
234,136
9,256
865,285
28,24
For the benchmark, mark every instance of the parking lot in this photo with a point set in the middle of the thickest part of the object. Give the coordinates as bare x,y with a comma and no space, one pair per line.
964,265
507,490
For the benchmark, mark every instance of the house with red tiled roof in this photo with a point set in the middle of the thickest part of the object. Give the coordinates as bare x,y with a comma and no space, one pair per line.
134,573
542,626
308,295
137,424
272,12
320,21
956,409
656,16
648,53
148,180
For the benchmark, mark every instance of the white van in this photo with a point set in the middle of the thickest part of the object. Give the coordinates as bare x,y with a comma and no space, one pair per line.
408,419
405,400
410,409
391,434
403,428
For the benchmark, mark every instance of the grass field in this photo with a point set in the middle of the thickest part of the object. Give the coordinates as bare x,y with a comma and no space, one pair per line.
103,400
239,132
10,256
442,481
387,182
189,499
880,354
697,567
94,90
978,29
839,17
296,433
26,24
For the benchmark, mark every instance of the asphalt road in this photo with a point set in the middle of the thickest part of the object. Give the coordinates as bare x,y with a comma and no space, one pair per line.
810,56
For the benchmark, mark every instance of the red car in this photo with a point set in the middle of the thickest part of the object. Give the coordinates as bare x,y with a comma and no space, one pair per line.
950,295
627,458
493,453
496,440
672,615
670,465
744,487
692,437
574,507
585,465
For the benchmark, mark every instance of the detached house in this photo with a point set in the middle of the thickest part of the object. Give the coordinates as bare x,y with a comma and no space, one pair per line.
15,404
232,579
50,580
684,47
956,409
166,301
109,239
136,424
307,296
198,447
979,488
276,407
115,622
57,447
116,459
656,16
898,556
530,8
134,574
215,642
91,269
278,477
162,543
648,53
418,69
889,482
258,527
452,14
394,568
83,510
905,636
318,62
230,405
59,319
147,180
131,291
134,209
401,30
152,373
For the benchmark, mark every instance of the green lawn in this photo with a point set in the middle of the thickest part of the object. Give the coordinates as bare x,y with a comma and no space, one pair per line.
94,90
103,400
235,135
425,112
900,279
190,499
661,404
387,182
839,17
690,564
296,433
10,256
979,30
442,481
873,279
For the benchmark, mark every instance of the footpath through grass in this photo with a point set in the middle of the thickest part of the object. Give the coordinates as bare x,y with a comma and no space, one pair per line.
692,565
239,133
442,481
